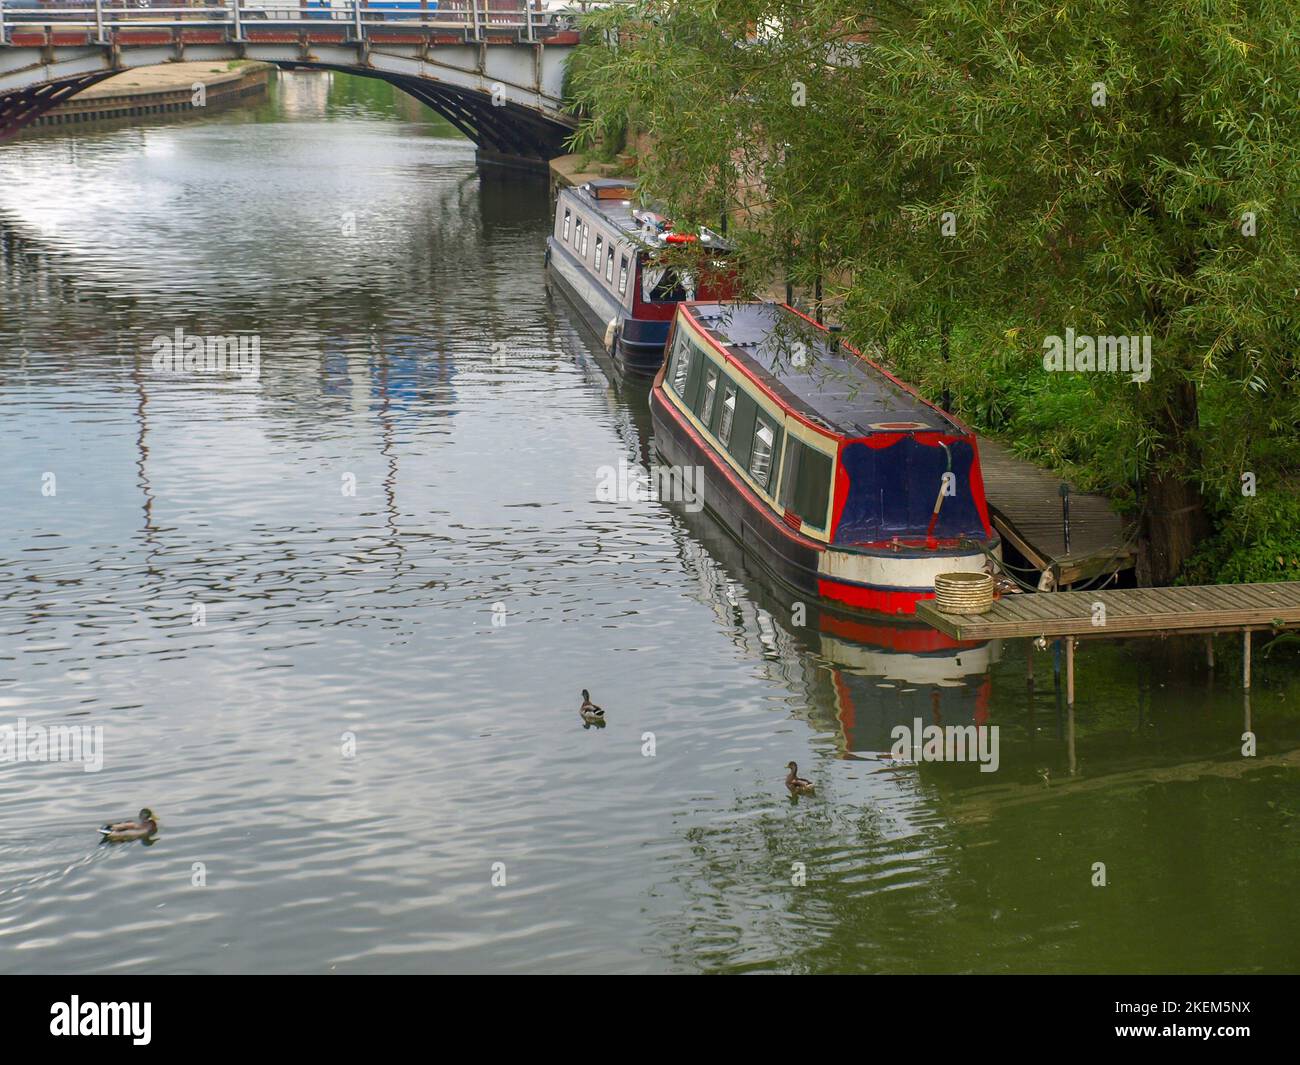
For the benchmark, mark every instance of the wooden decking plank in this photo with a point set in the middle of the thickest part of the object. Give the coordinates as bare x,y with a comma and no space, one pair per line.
1284,591
1260,597
1017,606
1121,603
1041,608
1149,602
1236,593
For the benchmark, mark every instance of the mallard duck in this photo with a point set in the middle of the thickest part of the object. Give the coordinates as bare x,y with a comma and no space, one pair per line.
796,783
591,713
122,831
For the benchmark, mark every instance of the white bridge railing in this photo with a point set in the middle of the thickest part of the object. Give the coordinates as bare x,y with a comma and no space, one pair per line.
528,20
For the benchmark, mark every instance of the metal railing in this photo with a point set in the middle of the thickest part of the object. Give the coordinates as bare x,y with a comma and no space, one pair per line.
473,20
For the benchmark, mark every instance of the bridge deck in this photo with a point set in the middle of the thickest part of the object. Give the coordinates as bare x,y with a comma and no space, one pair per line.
34,35
492,68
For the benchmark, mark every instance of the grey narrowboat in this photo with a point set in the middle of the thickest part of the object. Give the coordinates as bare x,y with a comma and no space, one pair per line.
605,255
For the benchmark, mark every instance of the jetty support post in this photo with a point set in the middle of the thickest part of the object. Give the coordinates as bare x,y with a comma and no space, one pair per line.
1245,659
1065,515
1071,749
1209,651
1069,703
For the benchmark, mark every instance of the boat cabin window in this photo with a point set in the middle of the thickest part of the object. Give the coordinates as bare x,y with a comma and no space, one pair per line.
710,394
760,456
728,415
622,274
681,363
577,231
586,233
806,482
567,220
744,425
609,266
600,243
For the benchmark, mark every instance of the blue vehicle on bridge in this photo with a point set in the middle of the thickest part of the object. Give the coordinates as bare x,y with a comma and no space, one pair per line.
284,10
383,8
291,10
556,14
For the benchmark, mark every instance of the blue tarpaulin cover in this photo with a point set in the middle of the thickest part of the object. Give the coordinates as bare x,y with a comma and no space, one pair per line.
892,490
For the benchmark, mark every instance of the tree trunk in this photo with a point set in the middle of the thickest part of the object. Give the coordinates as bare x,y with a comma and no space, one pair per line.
1175,521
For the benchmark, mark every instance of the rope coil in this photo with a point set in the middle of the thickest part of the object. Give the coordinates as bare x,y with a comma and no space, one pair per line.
963,593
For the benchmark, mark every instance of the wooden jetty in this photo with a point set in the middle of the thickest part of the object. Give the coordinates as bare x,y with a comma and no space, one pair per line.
1025,506
1207,609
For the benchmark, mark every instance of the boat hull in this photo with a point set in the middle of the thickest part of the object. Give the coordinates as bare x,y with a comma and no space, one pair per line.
874,582
636,344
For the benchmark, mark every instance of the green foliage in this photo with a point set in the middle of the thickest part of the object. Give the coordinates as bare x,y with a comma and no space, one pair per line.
1258,540
605,129
1113,168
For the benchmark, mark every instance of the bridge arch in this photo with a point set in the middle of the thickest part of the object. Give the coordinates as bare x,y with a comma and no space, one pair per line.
504,132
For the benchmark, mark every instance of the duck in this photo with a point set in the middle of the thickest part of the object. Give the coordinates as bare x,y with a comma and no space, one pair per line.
591,713
123,831
796,783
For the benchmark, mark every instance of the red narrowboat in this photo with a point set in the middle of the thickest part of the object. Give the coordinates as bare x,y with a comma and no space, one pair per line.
840,479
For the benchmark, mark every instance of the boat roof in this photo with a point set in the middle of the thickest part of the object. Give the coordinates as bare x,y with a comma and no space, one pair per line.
815,374
599,196
614,210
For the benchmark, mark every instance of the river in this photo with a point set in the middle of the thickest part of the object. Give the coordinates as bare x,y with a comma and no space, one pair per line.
334,619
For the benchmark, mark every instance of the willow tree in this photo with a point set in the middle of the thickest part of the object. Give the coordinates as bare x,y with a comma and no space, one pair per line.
1003,172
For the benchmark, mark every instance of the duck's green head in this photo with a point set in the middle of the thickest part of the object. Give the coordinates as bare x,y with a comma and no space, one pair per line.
586,696
147,815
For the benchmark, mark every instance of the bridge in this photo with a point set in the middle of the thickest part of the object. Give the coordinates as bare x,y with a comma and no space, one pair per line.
493,68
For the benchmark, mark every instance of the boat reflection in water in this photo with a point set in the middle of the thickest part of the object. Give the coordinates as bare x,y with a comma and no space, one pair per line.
860,677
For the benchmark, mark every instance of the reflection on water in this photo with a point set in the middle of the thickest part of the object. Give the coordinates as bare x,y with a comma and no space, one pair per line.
394,535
